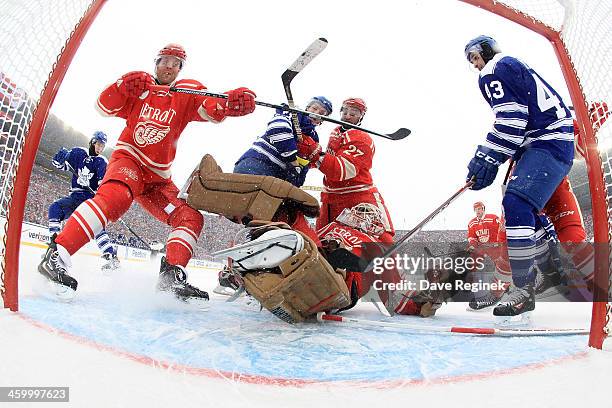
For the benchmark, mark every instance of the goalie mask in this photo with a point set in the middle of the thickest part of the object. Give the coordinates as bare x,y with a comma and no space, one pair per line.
365,217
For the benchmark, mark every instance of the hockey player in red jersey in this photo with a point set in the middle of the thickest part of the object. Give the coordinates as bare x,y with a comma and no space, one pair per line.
565,214
346,167
139,169
352,228
487,237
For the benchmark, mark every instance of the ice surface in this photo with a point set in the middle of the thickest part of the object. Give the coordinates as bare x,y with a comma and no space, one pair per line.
119,333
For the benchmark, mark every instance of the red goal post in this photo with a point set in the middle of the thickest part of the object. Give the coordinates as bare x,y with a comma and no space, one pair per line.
43,37
40,38
580,33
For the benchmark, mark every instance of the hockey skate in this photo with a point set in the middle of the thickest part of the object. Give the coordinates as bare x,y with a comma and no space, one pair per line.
550,284
53,268
110,263
515,306
485,301
173,279
230,284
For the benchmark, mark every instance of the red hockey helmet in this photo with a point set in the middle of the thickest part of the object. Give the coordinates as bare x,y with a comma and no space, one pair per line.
356,103
479,204
173,50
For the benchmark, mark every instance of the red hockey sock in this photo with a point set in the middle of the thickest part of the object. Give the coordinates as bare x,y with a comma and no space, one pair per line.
92,216
187,224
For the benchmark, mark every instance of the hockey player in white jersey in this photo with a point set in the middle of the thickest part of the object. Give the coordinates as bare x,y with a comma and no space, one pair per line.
533,127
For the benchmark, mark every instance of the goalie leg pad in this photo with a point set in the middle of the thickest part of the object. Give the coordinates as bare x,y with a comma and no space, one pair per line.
306,284
244,197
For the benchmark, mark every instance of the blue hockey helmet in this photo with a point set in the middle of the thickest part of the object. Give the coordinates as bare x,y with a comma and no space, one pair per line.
323,101
486,46
99,136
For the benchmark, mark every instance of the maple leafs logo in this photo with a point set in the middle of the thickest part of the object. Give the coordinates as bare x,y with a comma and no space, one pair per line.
84,177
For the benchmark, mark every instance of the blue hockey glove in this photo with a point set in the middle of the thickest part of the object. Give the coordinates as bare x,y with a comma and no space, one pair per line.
483,167
60,158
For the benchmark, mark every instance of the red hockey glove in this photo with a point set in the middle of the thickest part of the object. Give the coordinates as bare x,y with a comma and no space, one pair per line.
135,83
309,150
240,102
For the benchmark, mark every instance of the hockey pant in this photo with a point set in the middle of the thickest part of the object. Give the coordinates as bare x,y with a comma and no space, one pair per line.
536,176
330,209
123,184
63,208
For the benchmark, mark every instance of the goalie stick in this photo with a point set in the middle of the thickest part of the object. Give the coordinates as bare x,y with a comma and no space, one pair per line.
481,331
373,295
304,59
399,134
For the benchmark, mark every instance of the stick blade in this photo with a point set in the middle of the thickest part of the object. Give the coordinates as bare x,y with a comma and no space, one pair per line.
399,134
304,59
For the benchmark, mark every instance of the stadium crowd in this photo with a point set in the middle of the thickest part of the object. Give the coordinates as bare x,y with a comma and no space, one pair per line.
46,186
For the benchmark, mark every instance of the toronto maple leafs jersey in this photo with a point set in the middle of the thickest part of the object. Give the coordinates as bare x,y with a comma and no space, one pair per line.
279,143
529,113
87,171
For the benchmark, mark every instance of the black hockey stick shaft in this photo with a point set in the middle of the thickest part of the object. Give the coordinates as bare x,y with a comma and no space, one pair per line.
399,134
304,59
427,219
385,307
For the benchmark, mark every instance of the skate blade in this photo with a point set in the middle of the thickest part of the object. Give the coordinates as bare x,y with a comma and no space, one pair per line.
199,303
63,293
223,291
524,319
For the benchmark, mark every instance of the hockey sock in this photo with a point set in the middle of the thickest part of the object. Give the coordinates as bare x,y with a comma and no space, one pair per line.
520,231
186,226
91,217
104,242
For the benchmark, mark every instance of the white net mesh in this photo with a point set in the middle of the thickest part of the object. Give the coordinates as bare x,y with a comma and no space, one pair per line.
34,34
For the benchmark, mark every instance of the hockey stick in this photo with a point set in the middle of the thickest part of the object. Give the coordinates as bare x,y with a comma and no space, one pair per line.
373,295
153,247
399,134
427,219
304,59
486,331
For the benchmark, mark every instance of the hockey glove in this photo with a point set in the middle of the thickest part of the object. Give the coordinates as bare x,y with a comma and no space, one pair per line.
309,150
240,102
60,157
134,84
483,167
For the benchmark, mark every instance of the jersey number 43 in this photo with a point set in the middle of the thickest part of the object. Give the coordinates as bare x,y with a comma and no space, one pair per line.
546,97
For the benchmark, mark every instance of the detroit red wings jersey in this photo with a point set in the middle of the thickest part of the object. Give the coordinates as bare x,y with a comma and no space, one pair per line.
350,238
485,230
154,123
347,163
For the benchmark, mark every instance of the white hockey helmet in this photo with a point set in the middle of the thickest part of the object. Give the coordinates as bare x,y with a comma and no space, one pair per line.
365,217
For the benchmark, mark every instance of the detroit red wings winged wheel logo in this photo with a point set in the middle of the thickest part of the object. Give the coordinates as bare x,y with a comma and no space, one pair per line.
148,133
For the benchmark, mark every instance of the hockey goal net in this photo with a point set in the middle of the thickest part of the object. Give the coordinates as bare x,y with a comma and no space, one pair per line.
41,37
39,40
580,33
